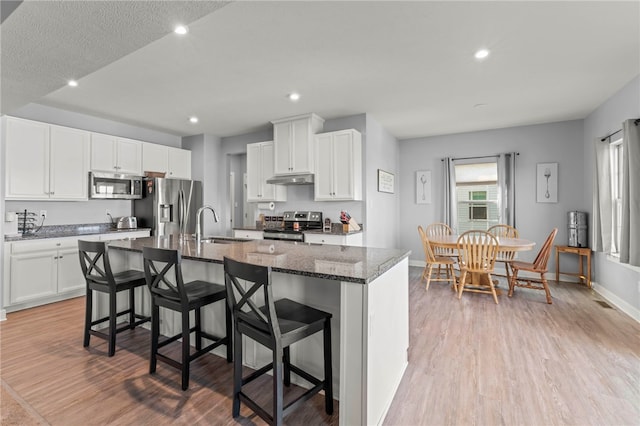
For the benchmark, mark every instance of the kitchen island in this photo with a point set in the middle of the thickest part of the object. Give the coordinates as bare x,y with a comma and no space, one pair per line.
366,290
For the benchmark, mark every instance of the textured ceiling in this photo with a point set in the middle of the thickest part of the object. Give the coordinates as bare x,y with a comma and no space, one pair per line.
408,64
46,43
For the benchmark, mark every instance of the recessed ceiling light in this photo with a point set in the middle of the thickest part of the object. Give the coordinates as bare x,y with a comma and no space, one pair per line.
480,105
181,29
193,120
72,83
293,97
481,54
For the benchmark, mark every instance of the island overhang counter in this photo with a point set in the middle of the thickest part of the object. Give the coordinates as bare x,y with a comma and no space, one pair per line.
366,290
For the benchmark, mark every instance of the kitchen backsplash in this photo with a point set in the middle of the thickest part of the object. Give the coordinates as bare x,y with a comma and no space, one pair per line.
73,212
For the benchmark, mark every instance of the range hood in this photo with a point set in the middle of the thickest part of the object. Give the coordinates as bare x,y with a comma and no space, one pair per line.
304,179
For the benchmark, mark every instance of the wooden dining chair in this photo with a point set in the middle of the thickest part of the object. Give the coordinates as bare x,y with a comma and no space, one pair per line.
477,250
539,266
438,230
431,260
504,256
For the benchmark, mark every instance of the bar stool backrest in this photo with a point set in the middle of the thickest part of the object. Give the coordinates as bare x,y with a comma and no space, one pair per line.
245,312
94,261
162,282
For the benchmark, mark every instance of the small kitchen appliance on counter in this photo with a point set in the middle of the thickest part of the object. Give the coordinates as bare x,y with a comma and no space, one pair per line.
127,222
294,224
577,224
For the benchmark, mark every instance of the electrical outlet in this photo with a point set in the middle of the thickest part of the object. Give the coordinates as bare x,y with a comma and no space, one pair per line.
43,213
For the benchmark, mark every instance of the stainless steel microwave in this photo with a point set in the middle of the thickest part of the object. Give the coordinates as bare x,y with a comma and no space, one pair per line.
115,186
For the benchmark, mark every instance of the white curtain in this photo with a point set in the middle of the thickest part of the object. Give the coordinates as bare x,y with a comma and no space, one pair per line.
507,188
602,206
450,211
630,235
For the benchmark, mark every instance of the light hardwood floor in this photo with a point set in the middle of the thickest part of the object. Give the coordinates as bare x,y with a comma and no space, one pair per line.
521,362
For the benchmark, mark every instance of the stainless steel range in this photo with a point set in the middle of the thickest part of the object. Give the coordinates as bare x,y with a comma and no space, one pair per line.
294,223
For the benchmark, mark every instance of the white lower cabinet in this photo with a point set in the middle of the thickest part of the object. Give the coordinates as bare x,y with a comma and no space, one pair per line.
249,234
47,270
354,239
33,276
43,268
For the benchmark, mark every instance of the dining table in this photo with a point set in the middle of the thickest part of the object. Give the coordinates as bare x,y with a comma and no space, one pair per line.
504,244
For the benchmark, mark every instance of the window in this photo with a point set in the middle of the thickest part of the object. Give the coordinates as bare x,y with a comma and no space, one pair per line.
477,194
616,195
477,211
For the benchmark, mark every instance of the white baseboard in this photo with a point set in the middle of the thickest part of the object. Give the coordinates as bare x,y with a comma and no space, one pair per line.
616,301
3,314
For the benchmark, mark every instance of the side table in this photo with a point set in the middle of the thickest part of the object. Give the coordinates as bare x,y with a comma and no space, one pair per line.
582,252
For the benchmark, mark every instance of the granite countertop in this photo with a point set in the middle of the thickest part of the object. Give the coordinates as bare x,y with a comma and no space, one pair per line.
60,231
342,263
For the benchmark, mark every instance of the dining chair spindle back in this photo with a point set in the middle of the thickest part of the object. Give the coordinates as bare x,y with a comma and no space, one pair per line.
477,250
431,259
438,230
538,266
504,256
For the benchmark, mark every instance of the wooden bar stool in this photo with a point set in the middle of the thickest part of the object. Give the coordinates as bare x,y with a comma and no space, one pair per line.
276,325
171,292
96,268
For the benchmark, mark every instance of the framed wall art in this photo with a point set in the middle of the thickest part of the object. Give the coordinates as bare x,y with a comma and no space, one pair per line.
547,183
423,187
385,181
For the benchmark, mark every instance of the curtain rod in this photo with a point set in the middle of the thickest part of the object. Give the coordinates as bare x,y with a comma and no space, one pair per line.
480,156
618,131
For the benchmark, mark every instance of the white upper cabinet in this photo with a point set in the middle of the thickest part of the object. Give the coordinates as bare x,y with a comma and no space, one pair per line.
293,143
68,163
155,158
179,163
115,154
259,169
45,162
174,162
27,159
338,164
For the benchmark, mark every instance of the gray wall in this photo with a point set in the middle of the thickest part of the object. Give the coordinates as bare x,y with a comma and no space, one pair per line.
94,211
206,166
619,283
382,209
554,142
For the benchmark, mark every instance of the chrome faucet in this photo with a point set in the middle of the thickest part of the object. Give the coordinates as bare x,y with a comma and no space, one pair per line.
199,221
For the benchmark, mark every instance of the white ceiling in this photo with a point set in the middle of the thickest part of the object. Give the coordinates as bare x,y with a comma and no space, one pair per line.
408,64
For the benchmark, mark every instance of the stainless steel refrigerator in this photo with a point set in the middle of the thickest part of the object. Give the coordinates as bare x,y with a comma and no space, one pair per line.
169,206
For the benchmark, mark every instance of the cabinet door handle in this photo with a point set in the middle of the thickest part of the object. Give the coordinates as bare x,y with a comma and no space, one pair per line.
60,257
55,257
58,244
